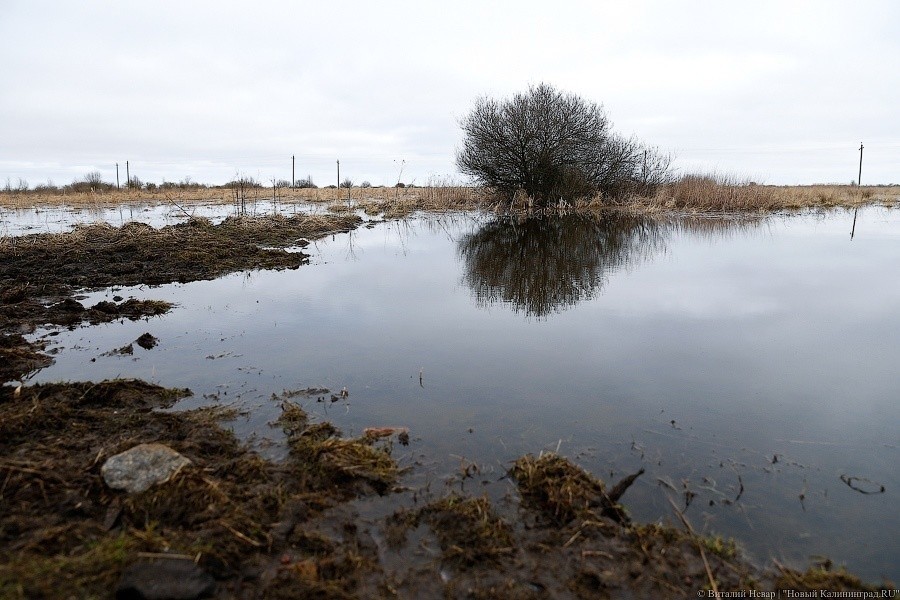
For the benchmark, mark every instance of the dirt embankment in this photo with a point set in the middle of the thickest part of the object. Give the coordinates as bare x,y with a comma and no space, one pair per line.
40,274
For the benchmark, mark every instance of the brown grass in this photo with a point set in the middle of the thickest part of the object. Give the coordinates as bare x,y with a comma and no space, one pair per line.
100,255
555,486
720,193
692,193
420,198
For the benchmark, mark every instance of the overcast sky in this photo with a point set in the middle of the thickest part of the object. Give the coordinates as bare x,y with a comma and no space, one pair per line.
779,92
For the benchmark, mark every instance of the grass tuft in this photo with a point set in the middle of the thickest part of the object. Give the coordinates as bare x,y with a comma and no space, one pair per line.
556,487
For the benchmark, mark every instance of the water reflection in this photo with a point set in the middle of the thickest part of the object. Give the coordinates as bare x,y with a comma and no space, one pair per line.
544,265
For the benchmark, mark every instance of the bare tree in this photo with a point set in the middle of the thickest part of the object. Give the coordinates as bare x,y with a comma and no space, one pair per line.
94,178
553,146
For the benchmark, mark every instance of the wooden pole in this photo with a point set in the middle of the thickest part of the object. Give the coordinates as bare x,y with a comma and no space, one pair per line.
127,175
859,179
293,165
339,174
117,175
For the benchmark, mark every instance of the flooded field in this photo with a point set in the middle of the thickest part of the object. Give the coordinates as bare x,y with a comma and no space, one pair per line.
63,218
750,366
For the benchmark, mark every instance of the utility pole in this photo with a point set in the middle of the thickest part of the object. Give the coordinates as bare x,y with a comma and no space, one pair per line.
859,179
339,174
293,165
127,175
117,175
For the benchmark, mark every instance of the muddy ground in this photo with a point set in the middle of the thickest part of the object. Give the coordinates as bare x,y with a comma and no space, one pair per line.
332,520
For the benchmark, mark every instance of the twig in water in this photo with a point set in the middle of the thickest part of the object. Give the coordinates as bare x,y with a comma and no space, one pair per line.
181,208
849,481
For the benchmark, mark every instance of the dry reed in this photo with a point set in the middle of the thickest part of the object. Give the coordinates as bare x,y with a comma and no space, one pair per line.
690,193
721,193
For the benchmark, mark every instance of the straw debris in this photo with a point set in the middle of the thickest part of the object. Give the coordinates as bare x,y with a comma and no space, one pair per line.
563,491
323,459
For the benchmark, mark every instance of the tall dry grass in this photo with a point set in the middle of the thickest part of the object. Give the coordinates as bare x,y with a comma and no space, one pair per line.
690,193
389,201
722,193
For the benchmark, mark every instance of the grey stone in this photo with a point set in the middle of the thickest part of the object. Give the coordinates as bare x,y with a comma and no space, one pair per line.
141,467
166,579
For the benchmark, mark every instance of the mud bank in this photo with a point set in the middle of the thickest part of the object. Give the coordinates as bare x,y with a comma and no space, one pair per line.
247,527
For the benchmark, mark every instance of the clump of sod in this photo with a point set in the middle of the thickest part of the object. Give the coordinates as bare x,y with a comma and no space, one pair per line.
556,487
323,460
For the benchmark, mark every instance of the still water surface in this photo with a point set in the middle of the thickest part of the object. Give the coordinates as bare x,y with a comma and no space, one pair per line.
718,354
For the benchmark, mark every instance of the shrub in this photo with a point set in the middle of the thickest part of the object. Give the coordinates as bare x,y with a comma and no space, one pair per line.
92,182
244,182
48,187
347,183
553,146
305,183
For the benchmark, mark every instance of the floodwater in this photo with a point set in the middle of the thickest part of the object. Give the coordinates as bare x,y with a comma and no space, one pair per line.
59,219
750,366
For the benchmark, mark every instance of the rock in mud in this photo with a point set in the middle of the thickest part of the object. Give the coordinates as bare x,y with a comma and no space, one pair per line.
167,579
141,467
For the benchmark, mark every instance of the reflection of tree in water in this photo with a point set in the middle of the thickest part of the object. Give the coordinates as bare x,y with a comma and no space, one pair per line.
544,265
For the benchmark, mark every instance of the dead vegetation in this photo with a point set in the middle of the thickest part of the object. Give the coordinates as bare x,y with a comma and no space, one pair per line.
556,487
230,512
324,460
702,193
101,255
565,492
264,529
720,193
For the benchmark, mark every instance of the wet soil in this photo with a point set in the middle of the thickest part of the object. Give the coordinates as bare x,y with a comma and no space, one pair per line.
254,528
331,520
